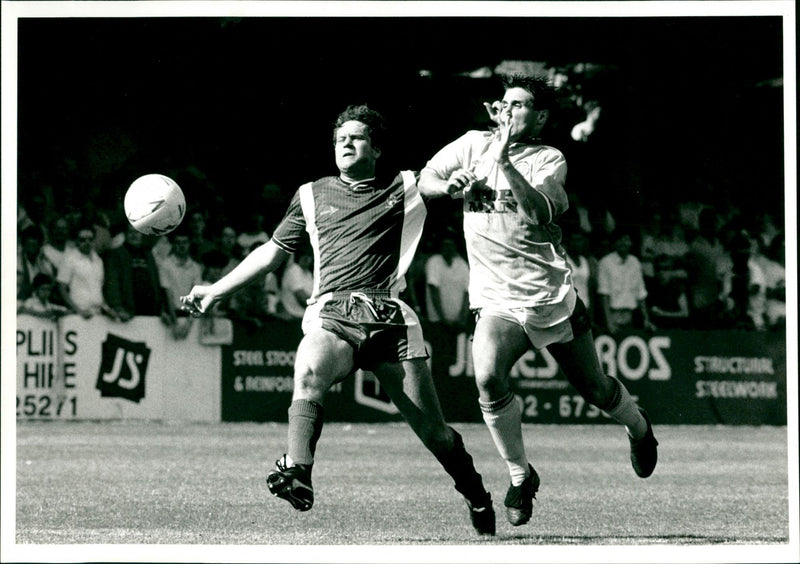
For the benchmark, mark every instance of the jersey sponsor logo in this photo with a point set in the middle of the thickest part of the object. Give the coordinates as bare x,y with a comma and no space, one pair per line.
483,199
393,200
328,210
123,367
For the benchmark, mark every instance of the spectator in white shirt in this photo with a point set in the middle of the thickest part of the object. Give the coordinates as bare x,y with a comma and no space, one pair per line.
81,276
620,286
447,286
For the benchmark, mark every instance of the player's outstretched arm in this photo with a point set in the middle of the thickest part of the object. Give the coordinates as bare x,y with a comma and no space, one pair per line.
262,260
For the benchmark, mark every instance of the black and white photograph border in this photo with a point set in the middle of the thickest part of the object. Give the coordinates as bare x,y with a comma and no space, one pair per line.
484,23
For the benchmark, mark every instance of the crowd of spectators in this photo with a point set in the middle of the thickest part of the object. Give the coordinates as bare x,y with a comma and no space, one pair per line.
689,266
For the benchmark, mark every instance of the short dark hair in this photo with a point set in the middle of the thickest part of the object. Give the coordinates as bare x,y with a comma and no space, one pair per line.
41,279
540,87
32,232
374,121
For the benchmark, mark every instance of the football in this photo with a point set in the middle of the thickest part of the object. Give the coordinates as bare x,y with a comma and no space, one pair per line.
154,204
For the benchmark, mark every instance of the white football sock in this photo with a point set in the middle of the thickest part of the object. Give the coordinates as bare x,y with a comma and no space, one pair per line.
624,410
504,419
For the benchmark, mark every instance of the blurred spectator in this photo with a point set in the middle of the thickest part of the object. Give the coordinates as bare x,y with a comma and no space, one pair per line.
81,277
31,260
58,242
39,304
227,245
199,243
297,283
584,268
179,271
214,263
213,329
671,240
773,263
447,286
621,286
23,218
667,296
415,291
594,220
254,304
252,233
583,130
746,288
132,283
651,230
103,238
706,264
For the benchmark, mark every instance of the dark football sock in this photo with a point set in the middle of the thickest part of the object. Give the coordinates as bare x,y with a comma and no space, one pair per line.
458,464
305,427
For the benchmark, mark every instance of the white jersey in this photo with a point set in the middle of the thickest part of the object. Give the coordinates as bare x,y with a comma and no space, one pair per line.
514,262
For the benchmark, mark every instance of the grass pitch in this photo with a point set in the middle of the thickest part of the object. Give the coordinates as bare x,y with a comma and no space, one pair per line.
375,484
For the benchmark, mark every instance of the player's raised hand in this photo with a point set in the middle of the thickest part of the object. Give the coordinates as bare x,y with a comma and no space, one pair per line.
495,111
460,180
199,301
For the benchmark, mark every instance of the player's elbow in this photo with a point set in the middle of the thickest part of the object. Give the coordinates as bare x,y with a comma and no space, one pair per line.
430,184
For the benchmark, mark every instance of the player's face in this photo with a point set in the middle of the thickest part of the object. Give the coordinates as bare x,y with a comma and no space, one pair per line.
518,107
355,155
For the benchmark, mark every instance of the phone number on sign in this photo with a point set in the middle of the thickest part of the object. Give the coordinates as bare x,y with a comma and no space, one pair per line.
566,406
33,405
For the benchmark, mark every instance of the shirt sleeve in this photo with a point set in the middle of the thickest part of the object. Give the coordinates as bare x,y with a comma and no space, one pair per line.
451,157
289,231
549,178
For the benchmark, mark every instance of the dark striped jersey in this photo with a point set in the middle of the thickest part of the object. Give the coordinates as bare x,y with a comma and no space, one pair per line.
363,235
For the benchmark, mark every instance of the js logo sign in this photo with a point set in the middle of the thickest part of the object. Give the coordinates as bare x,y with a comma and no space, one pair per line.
122,369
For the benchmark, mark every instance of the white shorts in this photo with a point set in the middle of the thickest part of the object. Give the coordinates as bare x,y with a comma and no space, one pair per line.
558,323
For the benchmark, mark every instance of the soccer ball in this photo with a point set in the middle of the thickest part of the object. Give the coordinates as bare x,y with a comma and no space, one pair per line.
154,204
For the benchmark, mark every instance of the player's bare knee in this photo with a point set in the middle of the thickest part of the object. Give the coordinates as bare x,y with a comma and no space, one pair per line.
490,384
309,384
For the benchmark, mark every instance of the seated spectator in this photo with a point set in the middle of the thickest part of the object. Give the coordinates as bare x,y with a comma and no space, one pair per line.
132,282
621,288
81,277
447,286
39,304
667,297
297,283
31,260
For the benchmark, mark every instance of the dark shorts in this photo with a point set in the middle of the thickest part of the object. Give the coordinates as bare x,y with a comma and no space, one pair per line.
380,328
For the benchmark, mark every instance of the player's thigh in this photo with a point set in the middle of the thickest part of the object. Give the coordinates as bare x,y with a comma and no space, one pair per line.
578,360
496,346
410,386
322,359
